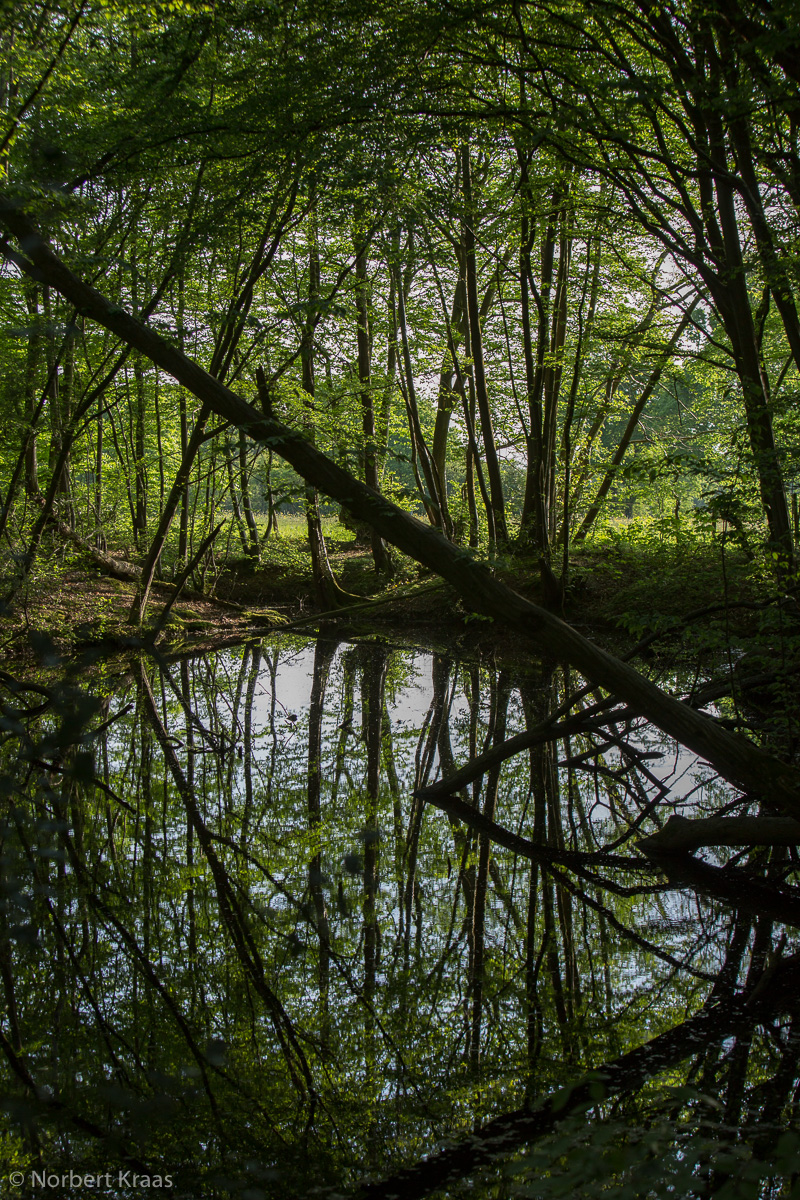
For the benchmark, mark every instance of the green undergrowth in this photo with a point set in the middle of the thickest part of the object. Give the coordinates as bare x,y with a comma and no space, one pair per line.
629,581
639,583
283,573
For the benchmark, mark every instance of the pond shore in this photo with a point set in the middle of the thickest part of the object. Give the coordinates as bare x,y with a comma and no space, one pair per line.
618,594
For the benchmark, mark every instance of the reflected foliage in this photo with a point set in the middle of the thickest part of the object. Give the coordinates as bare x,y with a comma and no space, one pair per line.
248,939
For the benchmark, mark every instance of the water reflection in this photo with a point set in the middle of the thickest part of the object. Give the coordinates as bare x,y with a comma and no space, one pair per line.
247,941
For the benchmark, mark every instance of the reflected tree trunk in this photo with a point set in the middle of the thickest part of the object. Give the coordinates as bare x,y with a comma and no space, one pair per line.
324,652
500,694
373,678
191,913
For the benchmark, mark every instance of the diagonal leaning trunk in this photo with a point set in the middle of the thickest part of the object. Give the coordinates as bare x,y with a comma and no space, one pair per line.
735,758
140,600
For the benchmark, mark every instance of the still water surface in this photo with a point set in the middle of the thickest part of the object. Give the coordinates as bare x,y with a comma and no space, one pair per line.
238,948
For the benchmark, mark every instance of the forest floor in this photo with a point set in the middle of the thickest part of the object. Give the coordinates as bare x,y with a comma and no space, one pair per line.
621,589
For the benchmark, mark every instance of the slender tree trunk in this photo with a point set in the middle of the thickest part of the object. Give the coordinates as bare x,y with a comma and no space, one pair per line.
60,414
585,327
329,593
384,415
447,398
533,524
554,364
241,528
139,463
476,346
183,500
502,692
630,428
253,549
373,677
99,537
380,555
32,359
436,504
323,656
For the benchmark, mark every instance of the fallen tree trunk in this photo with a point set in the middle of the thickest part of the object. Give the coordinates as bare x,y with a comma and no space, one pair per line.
735,758
681,834
741,891
118,567
122,569
737,886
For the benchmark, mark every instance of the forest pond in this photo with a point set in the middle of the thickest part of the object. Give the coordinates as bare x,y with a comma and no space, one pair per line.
242,952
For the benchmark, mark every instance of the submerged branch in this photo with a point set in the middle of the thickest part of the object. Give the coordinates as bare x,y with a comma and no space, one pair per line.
682,833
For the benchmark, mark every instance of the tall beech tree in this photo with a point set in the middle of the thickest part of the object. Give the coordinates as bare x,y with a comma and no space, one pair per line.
660,118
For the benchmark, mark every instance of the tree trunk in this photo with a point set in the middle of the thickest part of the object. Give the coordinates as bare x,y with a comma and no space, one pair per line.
735,758
630,428
329,593
139,464
247,502
139,607
476,346
380,555
436,502
32,358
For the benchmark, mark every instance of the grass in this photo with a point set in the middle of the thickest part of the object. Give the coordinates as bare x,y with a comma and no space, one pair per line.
294,526
284,575
632,575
